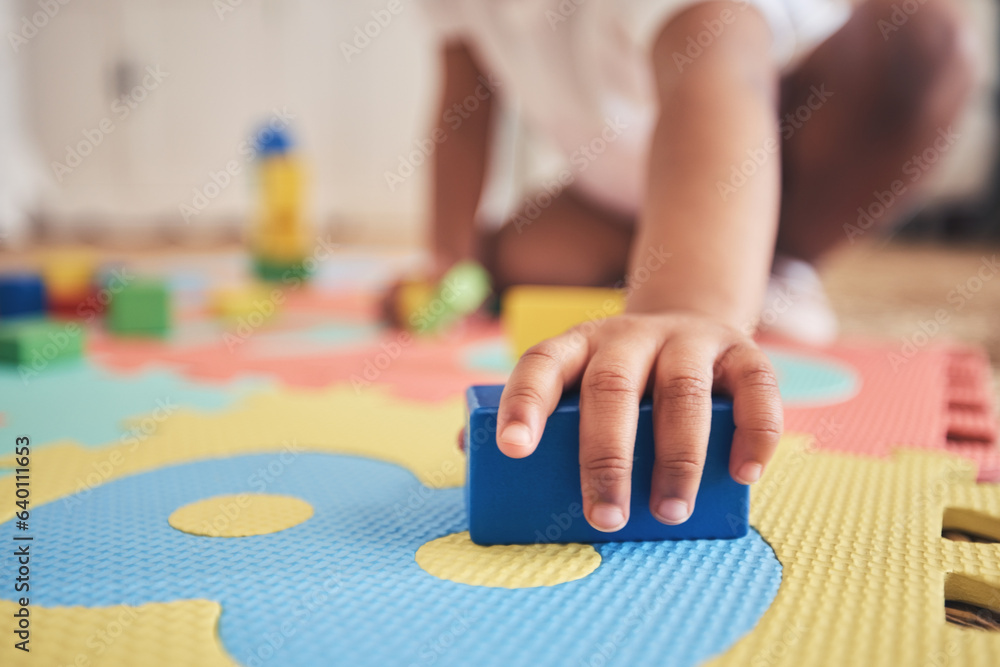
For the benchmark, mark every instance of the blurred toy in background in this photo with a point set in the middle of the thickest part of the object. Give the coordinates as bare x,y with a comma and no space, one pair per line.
280,235
69,277
532,313
22,295
141,308
33,343
257,302
425,308
28,338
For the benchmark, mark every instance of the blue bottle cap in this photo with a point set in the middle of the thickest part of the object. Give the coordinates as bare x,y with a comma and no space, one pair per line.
273,142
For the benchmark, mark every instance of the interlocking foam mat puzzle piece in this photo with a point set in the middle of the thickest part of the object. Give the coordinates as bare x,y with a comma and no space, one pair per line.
904,403
316,355
369,422
864,577
865,569
122,636
883,400
343,418
378,606
93,406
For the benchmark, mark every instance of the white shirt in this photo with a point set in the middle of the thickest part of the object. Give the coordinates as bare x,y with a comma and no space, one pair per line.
581,75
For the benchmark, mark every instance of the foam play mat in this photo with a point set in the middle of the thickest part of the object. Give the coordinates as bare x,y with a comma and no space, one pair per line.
287,490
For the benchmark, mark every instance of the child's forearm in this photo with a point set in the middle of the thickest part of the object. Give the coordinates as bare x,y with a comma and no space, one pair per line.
460,158
716,120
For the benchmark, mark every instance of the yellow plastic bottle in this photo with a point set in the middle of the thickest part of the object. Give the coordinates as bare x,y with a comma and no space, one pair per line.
281,235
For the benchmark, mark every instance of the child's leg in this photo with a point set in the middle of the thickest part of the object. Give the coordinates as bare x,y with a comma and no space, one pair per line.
889,95
570,242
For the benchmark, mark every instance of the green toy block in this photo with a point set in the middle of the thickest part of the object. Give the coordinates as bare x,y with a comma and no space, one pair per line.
141,308
280,272
37,342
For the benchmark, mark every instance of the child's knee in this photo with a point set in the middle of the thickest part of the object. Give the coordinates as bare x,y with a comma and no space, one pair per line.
930,47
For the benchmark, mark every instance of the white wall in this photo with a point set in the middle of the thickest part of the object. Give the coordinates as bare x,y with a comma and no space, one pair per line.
225,72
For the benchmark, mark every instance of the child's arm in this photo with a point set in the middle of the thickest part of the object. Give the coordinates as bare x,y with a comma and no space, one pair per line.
686,320
460,160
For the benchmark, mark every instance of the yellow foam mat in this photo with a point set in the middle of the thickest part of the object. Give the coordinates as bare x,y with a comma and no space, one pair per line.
864,563
456,558
169,634
418,436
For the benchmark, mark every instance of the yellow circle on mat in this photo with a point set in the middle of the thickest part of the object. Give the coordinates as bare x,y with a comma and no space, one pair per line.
456,558
240,515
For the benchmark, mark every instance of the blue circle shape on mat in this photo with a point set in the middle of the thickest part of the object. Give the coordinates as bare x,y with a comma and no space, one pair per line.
343,587
812,381
490,356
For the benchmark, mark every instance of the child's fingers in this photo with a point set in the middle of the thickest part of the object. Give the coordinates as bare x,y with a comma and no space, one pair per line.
534,389
746,372
609,411
682,417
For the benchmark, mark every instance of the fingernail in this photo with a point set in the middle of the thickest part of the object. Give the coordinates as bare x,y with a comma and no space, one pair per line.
607,518
749,472
517,435
673,511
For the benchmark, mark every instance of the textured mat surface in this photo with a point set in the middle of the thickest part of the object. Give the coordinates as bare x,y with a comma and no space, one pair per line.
419,436
853,513
938,399
865,567
306,347
381,607
240,515
92,405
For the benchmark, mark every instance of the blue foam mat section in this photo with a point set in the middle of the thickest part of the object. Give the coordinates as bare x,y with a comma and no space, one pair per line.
674,603
490,356
808,380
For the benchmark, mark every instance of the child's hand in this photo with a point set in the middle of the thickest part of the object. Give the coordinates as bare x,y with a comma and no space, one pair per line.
679,356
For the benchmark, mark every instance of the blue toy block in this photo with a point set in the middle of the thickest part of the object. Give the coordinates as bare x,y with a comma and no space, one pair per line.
21,294
537,499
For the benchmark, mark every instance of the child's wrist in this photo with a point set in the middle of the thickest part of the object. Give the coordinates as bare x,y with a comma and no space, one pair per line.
716,309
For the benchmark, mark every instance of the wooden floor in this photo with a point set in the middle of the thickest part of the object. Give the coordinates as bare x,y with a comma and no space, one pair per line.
887,290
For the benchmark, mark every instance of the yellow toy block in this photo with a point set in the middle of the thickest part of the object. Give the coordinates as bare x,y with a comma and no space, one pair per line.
532,313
